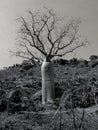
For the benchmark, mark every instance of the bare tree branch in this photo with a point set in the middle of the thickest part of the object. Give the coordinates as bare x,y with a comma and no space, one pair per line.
34,37
71,50
40,32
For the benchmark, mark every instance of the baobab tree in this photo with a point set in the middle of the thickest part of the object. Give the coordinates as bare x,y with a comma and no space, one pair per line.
44,34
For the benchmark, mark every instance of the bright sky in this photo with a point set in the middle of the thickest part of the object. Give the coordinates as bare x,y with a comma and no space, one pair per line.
10,10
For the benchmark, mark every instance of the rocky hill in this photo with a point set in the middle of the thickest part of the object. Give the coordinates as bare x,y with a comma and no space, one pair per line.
76,86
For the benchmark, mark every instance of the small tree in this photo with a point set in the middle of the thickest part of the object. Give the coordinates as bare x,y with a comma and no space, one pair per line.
44,34
93,57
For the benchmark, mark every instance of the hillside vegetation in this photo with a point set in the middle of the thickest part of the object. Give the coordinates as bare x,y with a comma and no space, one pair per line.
76,86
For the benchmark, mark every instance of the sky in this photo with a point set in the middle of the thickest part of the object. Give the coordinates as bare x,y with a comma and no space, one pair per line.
10,10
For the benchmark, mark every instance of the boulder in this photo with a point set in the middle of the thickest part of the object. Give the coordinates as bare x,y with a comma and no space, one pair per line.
15,96
37,95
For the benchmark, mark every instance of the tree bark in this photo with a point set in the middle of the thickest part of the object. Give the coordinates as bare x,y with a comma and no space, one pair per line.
48,90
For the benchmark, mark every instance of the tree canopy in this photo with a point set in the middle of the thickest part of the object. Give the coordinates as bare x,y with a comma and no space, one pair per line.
44,33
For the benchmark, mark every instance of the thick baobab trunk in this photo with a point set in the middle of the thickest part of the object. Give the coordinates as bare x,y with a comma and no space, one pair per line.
48,91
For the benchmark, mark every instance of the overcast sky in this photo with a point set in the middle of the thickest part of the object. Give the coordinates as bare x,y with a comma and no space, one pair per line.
10,10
